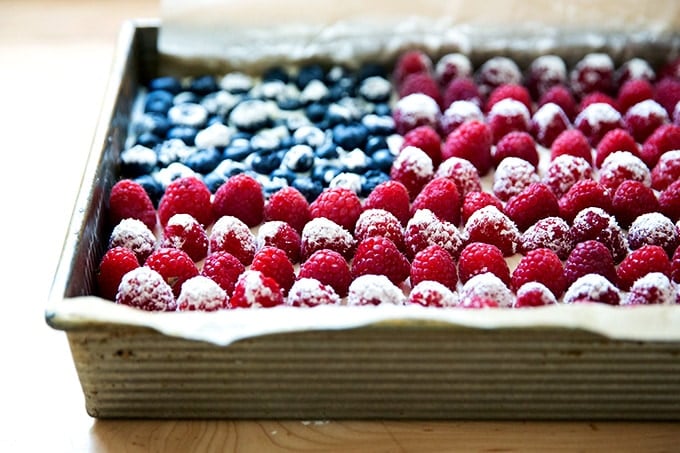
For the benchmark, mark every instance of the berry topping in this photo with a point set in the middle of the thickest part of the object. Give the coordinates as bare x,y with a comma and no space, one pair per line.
144,288
634,69
184,232
452,66
462,172
547,123
442,198
545,72
255,290
631,200
241,197
594,72
508,115
187,195
413,168
321,233
392,196
338,204
669,201
471,141
476,200
458,113
516,144
497,71
535,202
615,140
487,286
596,120
592,288
282,236
411,62
432,294
560,95
667,170
310,292
653,288
231,235
534,294
116,262
640,262
675,266
174,265
422,83
378,255
595,224
128,199
509,91
584,194
491,226
426,229
274,263
512,176
134,235
643,118
378,222
201,293
542,266
551,233
632,92
653,229
572,142
415,110
589,257
623,166
374,290
328,267
665,138
427,139
463,89
436,264
223,268
565,171
288,205
667,93
478,258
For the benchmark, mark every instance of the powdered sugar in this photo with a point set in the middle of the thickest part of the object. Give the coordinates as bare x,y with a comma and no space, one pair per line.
201,293
591,288
510,107
375,87
552,67
416,160
652,228
430,293
321,233
453,63
653,288
372,289
418,105
462,172
512,176
623,165
487,286
310,292
545,115
565,171
597,113
647,108
254,289
145,288
232,228
134,235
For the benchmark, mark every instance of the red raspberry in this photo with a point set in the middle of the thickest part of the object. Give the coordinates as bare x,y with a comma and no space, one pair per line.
429,293
240,196
174,265
184,232
547,123
421,82
463,89
512,176
560,95
274,263
392,196
667,93
477,302
533,294
426,229
223,268
328,267
452,66
471,141
509,91
379,256
596,120
487,287
474,201
667,170
592,288
542,266
231,235
615,140
551,233
675,266
584,194
134,235
634,91
594,72
456,114
516,144
436,264
665,138
653,229
623,166
573,143
202,294
640,262
413,168
115,263
545,72
374,290
378,222
128,199
595,224
589,257
462,172
411,62
322,233
144,288
478,258
254,289
635,69
309,292
565,171
670,69
508,115
653,288
597,98
534,203
632,199
339,204
415,110
281,235
442,198
186,195
426,139
642,119
288,205
491,226
669,201
497,71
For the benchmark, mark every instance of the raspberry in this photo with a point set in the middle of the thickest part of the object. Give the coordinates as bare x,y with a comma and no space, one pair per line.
548,122
592,288
144,288
421,82
669,201
379,256
542,266
632,92
670,69
309,292
545,72
615,140
584,194
595,224
392,196
653,229
442,198
328,267
640,262
456,114
434,263
115,263
512,176
594,72
475,302
597,98
491,226
338,204
497,71
274,263
634,69
565,171
653,288
551,233
281,235
223,268
478,258
411,62
187,195
128,199
572,142
665,138
452,66
667,93
184,232
426,139
643,118
666,170
534,294
632,199
516,144
241,197
474,201
462,172
596,120
623,166
203,294
174,265
509,91
560,95
413,168
134,235
432,294
675,266
487,286
589,257
463,89
426,229
254,289
471,141
378,222
415,110
322,233
231,235
288,205
374,290
508,115
535,202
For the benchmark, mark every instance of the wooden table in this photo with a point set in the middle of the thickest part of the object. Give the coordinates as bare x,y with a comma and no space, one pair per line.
54,60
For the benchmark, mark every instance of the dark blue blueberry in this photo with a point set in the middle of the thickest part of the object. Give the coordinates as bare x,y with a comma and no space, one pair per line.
382,159
370,180
343,88
265,163
316,111
152,187
338,114
271,186
382,109
308,73
323,124
241,135
284,173
166,83
378,124
214,180
186,97
251,115
299,158
370,70
310,189
138,160
158,102
328,150
350,136
214,119
325,173
289,103
374,143
156,123
237,152
203,160
203,85
287,141
148,139
276,73
185,133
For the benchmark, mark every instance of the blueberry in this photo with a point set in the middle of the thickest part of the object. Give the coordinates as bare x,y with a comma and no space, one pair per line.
289,103
228,168
342,89
265,163
220,103
356,161
185,133
378,124
172,172
148,139
166,83
299,158
309,135
265,141
214,180
296,120
336,73
137,161
371,70
283,173
374,143
152,187
237,152
350,136
375,89
382,109
172,150
217,135
271,89
186,97
382,159
338,114
325,173
155,123
275,73
315,91
328,150
203,85
348,180
158,102
316,111
308,73
310,189
272,185
236,83
203,160
188,114
370,180
251,115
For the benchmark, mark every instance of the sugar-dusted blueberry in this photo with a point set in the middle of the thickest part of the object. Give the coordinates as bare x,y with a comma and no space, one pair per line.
236,83
251,115
308,188
309,135
347,180
375,89
308,73
382,159
138,160
237,151
175,170
229,168
372,179
158,101
315,91
172,150
187,134
220,103
188,114
356,161
186,97
214,180
370,69
276,73
341,89
283,173
203,85
374,143
148,139
379,124
265,162
203,160
324,173
328,150
268,139
155,123
215,135
350,136
299,158
339,114
316,111
166,83
152,187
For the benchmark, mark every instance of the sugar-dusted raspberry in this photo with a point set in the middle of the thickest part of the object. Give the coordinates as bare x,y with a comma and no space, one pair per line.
115,263
374,290
634,69
633,92
200,293
667,93
512,176
670,69
551,233
476,302
533,203
560,95
595,224
623,166
415,110
572,142
584,194
640,262
643,118
669,201
274,263
240,196
378,222
456,114
462,172
255,290
288,205
665,138
411,62
597,97
675,266
542,266
310,292
478,257
508,115
509,91
281,235
565,171
436,264
534,294
174,265
593,288
429,293
667,170
652,289
487,286
413,168
596,120
594,72
339,204
462,89
223,268
632,199
516,144
676,114
471,141
589,257
231,235
545,72
392,196
425,229
615,140
442,198
497,71
144,288
133,234
322,233
379,256
476,200
653,228
187,195
491,226
547,123
452,66
427,139
421,82
184,232
330,268
128,199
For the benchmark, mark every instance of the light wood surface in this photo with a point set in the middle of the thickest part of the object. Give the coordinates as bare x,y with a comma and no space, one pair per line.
54,60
